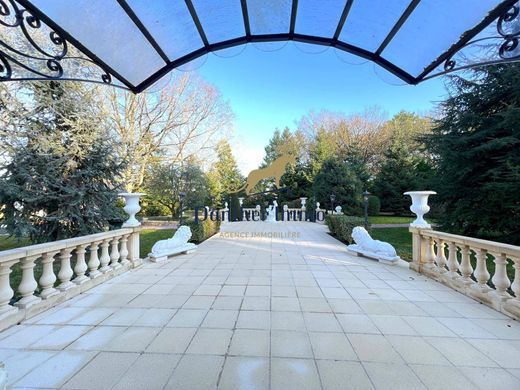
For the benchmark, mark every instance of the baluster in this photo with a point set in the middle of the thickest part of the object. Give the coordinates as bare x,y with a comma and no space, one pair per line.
28,283
105,257
6,292
500,278
430,253
465,265
516,282
93,262
440,259
453,264
114,254
481,272
48,277
124,250
81,265
66,272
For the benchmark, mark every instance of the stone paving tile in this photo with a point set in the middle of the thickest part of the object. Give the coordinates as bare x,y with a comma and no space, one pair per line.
248,342
251,373
210,341
149,371
57,370
393,376
266,314
488,378
294,374
102,372
338,375
291,344
196,372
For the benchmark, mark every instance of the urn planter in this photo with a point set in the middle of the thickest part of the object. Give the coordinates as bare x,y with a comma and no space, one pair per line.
420,207
132,207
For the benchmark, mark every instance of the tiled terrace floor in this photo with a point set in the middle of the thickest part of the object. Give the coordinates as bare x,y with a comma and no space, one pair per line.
243,313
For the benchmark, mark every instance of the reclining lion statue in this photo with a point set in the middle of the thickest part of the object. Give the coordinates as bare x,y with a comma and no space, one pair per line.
367,246
172,246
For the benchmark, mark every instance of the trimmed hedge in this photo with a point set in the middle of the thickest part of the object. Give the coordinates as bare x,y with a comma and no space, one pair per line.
341,226
203,230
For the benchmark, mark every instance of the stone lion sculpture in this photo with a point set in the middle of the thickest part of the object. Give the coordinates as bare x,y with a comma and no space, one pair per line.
162,249
367,246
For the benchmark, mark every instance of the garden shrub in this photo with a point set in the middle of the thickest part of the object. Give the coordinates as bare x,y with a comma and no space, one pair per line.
203,230
374,205
341,226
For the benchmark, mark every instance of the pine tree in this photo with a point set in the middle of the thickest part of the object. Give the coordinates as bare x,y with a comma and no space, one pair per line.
336,177
224,177
477,145
60,178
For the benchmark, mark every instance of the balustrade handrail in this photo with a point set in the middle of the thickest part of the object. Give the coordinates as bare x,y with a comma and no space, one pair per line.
83,262
31,250
485,270
490,246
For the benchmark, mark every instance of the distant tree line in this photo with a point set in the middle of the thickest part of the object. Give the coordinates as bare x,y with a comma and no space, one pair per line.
66,150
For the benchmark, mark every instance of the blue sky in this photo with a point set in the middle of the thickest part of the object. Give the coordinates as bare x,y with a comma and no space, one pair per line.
269,89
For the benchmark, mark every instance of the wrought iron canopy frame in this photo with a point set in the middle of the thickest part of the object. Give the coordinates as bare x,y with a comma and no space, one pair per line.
504,12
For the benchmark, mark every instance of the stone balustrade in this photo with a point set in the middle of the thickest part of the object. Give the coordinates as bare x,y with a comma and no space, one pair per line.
293,214
249,212
463,263
84,262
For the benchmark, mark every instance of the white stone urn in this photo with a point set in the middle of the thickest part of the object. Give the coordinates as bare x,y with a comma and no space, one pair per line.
420,207
304,202
132,207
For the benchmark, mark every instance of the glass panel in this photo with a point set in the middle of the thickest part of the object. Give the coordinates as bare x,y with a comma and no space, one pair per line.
369,22
221,20
104,28
170,24
319,18
269,16
432,29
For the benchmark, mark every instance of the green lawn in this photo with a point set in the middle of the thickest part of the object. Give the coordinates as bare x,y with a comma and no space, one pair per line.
380,219
400,238
7,242
150,237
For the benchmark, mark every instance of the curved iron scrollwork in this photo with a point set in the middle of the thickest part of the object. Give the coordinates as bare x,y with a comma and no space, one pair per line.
511,36
43,52
508,28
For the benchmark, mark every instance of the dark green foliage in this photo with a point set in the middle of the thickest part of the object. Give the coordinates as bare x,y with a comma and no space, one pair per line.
295,182
398,174
310,209
374,205
224,178
341,226
405,165
234,209
203,230
338,178
165,182
60,179
477,144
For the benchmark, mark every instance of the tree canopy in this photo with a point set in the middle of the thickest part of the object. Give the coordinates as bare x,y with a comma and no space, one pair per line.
60,177
476,144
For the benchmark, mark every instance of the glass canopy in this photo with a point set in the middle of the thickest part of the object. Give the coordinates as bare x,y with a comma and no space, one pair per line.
133,43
